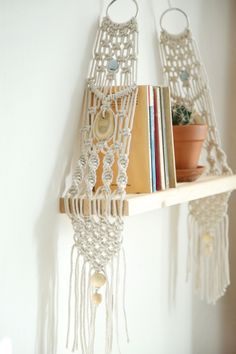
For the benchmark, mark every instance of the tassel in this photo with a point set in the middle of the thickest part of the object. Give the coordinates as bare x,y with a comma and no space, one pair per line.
87,289
208,258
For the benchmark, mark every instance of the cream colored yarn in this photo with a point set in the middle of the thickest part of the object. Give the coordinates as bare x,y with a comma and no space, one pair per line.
97,253
208,218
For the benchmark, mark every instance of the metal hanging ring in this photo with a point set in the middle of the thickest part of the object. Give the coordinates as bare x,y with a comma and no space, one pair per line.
112,2
174,9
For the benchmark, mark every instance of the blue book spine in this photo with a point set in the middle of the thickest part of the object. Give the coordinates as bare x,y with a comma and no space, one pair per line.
152,137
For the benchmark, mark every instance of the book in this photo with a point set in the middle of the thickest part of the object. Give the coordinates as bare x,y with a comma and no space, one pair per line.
152,136
164,142
169,137
139,170
158,139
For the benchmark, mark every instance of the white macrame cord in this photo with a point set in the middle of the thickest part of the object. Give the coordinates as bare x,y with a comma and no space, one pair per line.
96,211
208,219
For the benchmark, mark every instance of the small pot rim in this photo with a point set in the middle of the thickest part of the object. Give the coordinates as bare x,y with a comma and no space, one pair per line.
191,132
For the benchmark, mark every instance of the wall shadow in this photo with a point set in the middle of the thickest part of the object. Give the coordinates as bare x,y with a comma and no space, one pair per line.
46,227
228,307
173,254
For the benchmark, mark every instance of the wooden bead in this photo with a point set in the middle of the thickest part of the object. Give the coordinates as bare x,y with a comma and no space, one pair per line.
207,239
208,243
96,298
98,280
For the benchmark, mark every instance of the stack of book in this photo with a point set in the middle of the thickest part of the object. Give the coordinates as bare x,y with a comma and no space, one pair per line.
151,159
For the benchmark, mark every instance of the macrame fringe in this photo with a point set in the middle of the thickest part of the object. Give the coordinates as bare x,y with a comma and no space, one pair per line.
208,258
82,312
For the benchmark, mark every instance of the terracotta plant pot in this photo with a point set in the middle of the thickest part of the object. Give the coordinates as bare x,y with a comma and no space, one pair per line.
188,140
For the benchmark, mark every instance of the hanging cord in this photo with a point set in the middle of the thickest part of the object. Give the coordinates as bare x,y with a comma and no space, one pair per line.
173,9
169,4
124,297
113,1
70,293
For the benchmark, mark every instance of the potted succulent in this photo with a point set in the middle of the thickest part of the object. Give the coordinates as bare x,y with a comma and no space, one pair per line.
189,133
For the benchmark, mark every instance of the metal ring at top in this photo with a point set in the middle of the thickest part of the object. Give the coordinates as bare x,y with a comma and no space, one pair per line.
112,2
174,9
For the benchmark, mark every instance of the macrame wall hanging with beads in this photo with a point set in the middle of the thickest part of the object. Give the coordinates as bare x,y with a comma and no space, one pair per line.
108,112
208,217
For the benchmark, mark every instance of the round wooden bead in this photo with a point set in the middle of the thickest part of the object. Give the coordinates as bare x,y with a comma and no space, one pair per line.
207,239
208,244
98,280
96,298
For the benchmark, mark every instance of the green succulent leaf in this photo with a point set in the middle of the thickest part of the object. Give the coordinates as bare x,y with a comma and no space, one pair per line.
181,115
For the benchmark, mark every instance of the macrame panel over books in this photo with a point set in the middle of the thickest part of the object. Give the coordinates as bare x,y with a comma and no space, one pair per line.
208,218
97,256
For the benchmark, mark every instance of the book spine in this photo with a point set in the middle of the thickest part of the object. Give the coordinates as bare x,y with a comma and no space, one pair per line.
157,140
160,135
149,137
152,137
169,137
165,153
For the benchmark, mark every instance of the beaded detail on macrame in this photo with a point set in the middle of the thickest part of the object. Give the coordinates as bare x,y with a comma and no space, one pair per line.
208,218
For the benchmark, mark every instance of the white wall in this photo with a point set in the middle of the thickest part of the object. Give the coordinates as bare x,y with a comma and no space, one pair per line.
46,47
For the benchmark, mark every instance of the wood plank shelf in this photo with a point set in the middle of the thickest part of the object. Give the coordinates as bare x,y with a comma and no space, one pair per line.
184,192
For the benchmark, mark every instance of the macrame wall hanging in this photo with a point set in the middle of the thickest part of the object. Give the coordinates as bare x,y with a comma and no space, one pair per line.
96,214
208,219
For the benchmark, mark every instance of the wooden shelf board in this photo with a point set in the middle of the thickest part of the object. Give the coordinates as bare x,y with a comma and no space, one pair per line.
184,192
